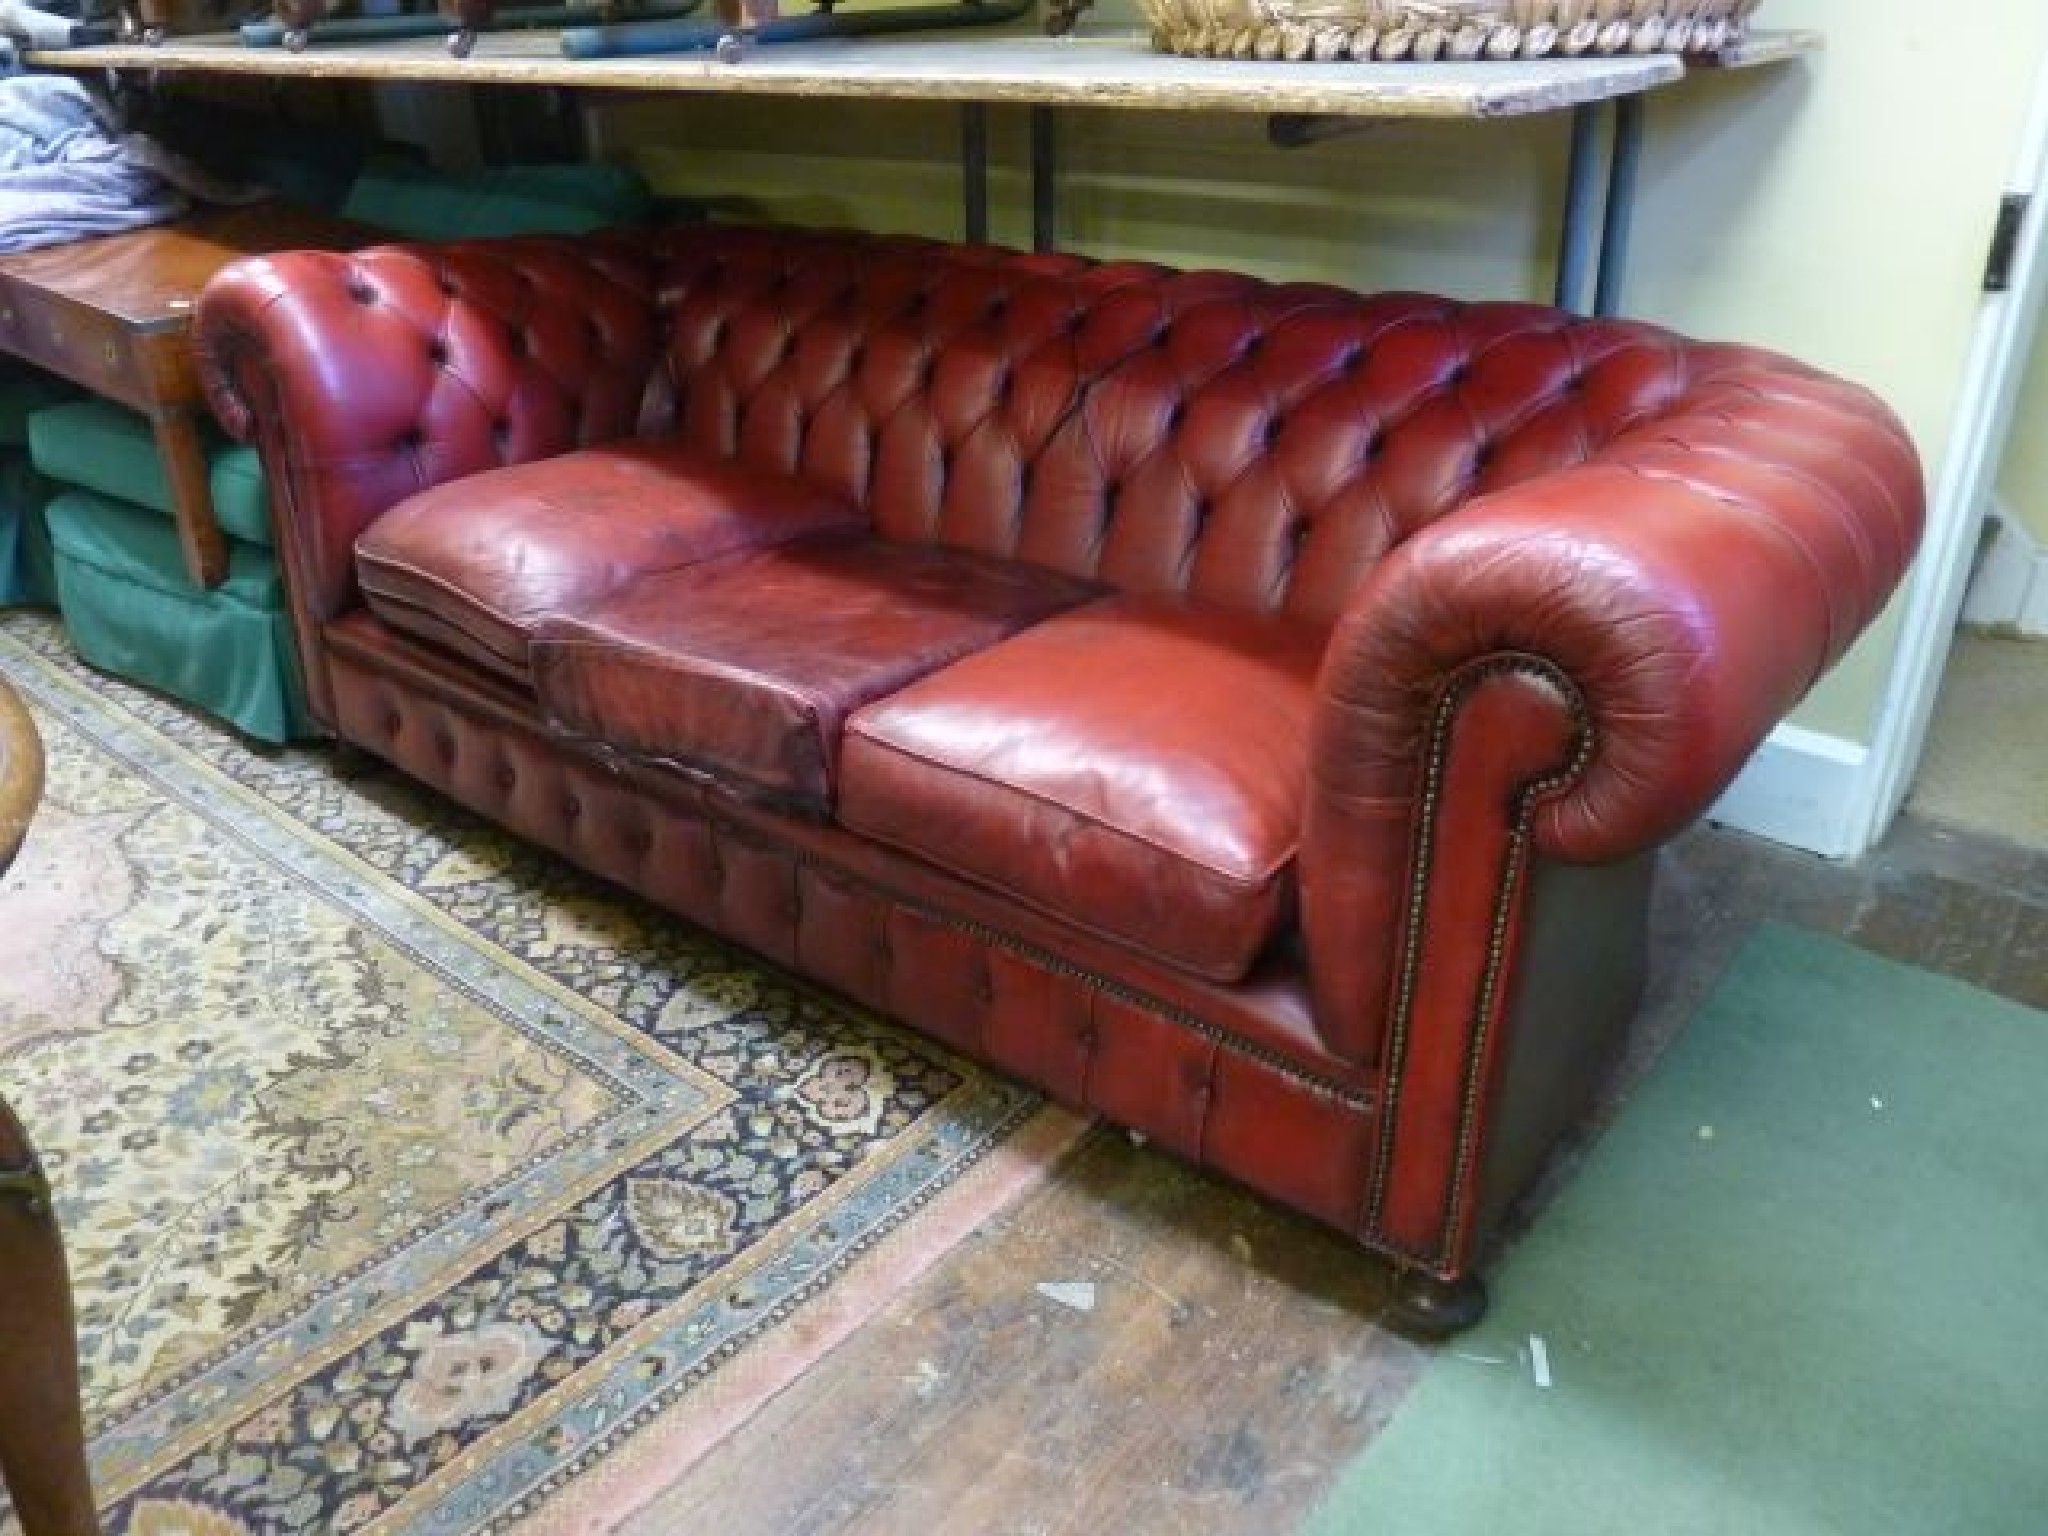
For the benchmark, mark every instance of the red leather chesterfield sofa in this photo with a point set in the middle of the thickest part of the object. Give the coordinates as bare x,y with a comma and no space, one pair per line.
1246,711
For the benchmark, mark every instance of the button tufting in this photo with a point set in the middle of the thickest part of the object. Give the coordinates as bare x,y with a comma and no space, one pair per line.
437,352
504,776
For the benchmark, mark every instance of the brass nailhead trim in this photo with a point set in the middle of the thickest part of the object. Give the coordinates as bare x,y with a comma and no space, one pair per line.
1512,871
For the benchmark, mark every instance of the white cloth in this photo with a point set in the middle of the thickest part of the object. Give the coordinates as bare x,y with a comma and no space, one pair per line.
65,174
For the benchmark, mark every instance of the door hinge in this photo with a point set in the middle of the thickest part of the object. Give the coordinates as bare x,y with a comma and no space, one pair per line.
2005,242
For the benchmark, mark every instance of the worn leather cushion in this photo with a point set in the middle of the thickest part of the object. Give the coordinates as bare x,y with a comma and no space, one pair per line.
472,565
1136,766
746,670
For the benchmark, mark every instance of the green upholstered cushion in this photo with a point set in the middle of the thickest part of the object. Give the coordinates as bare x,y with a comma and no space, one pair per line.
131,610
25,573
421,203
24,390
107,448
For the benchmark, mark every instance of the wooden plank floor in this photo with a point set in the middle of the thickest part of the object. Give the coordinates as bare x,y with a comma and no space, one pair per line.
1230,1366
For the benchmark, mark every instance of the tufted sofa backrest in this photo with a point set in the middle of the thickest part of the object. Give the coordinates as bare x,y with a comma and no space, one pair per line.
917,378
1272,443
1255,444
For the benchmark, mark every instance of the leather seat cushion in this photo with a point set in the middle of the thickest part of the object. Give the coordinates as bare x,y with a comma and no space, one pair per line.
1137,767
745,671
473,564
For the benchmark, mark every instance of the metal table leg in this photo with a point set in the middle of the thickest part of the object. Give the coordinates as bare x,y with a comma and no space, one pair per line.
1576,253
1621,204
974,171
1592,257
1044,181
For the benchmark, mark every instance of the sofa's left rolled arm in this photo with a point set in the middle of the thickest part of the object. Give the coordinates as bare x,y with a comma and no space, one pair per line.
366,377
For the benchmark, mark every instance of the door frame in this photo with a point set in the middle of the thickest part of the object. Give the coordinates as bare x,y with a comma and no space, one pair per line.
2000,349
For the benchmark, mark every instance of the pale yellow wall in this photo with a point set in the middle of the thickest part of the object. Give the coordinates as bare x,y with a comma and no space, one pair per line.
2023,485
1836,208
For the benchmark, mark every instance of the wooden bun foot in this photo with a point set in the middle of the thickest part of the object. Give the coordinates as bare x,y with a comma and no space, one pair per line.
1426,1308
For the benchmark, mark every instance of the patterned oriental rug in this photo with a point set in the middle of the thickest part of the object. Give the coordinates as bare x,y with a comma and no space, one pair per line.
412,1182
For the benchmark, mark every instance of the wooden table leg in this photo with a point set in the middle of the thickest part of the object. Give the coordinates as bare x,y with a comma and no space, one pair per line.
42,1433
199,535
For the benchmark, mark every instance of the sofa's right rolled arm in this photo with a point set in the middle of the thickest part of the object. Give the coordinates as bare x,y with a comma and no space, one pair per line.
1570,669
1631,629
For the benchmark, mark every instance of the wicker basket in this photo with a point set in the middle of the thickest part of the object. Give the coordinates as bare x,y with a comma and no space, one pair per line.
1442,29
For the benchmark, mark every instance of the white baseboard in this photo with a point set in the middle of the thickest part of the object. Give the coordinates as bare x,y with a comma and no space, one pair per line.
2009,589
1804,789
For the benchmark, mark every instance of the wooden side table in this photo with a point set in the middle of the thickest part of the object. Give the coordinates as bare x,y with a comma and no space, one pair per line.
114,314
42,1432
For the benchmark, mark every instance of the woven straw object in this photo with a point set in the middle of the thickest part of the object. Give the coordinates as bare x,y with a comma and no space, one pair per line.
1443,29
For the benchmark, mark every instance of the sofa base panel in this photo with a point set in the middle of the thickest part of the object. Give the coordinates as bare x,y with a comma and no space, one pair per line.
920,947
1093,1041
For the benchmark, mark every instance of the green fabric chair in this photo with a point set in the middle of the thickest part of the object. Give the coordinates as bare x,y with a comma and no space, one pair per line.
110,449
120,577
110,557
25,572
230,648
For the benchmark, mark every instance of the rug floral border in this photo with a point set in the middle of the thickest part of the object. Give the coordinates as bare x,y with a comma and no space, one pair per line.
763,1136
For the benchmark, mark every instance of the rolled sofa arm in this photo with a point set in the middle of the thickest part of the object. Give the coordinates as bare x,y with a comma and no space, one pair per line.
1570,669
364,378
